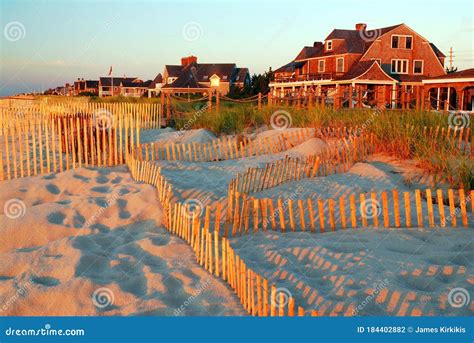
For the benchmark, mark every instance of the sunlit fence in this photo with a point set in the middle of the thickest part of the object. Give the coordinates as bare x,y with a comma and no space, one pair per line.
38,138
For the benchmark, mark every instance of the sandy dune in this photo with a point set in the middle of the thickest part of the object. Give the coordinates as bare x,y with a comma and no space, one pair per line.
88,229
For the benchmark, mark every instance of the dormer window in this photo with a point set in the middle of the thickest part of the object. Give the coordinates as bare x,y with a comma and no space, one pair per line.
329,45
215,80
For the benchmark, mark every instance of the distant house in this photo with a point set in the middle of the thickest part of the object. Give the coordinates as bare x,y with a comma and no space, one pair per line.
379,59
126,86
155,86
86,86
194,77
135,88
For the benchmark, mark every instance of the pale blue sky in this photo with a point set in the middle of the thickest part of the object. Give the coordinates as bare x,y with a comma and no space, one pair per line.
63,40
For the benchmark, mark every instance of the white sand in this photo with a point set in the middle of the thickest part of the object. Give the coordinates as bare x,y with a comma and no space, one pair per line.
68,245
90,228
384,271
180,136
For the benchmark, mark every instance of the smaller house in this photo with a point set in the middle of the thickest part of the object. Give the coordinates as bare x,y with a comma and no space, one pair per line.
112,86
136,88
155,86
194,77
86,86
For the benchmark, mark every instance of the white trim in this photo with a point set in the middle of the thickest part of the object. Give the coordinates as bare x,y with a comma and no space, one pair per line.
329,42
319,57
324,65
422,67
380,67
337,64
466,79
399,72
399,41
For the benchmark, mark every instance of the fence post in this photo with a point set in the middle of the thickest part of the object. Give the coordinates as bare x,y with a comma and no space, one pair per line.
260,100
209,101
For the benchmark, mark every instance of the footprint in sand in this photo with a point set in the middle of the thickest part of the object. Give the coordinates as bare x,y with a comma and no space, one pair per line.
46,281
56,218
102,179
82,178
53,189
101,189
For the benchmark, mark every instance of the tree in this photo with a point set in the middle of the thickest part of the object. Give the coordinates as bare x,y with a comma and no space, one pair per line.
259,83
450,70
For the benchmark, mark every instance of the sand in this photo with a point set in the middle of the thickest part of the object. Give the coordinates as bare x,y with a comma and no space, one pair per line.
367,271
87,229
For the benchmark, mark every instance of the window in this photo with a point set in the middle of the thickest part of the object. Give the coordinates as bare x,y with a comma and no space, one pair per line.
224,77
205,77
215,81
321,66
394,42
417,67
399,67
398,43
329,45
340,65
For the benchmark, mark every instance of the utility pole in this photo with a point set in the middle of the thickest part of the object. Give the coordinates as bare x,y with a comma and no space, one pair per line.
451,58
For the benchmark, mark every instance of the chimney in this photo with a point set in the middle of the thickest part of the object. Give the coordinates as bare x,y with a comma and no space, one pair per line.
188,60
361,27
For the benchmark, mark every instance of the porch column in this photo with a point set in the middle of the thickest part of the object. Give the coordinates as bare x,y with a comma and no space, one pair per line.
437,98
336,97
394,96
351,92
461,91
446,105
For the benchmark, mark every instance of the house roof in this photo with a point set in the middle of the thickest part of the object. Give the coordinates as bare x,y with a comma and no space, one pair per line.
187,79
367,70
173,70
437,51
353,42
290,67
107,81
462,74
239,74
191,75
135,84
158,79
92,83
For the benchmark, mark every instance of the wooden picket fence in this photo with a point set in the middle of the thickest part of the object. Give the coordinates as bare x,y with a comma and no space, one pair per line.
414,209
43,139
226,148
212,250
337,158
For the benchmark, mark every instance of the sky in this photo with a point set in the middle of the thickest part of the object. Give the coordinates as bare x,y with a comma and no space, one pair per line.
47,43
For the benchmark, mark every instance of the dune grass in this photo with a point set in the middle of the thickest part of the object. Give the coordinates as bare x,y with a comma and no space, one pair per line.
399,133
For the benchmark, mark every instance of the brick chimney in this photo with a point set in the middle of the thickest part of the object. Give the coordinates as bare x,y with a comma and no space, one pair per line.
361,27
317,44
188,60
